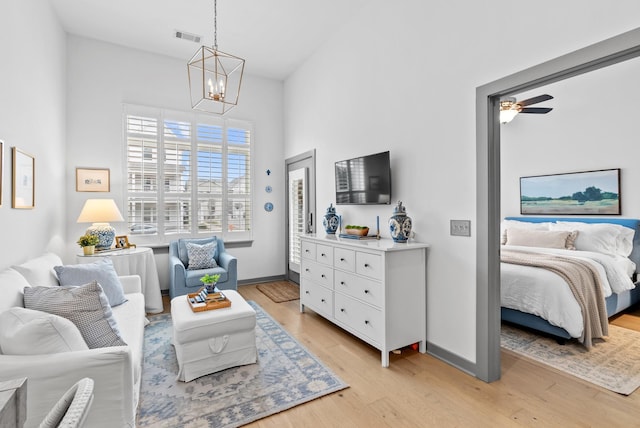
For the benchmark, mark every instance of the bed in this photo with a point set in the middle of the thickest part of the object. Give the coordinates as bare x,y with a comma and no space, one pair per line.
541,300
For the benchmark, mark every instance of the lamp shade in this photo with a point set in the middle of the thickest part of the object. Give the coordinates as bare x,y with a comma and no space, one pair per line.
99,211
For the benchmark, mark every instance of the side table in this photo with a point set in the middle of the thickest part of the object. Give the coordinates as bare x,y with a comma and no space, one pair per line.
135,261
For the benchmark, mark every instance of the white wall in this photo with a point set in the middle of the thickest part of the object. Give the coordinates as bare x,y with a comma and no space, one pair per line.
32,118
402,76
593,125
101,77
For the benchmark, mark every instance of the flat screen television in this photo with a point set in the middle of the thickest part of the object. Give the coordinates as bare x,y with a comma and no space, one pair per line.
364,180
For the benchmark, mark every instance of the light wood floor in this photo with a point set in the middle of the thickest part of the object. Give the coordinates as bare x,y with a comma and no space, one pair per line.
418,390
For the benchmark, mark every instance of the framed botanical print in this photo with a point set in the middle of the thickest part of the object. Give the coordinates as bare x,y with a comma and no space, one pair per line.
23,179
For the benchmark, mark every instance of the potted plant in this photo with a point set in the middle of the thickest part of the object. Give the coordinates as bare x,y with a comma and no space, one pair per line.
210,281
88,243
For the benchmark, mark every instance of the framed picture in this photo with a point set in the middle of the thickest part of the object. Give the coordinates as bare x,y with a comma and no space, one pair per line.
92,180
1,168
123,242
23,180
575,193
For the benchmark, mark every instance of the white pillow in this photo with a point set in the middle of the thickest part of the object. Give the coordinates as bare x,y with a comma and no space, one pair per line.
604,238
538,238
515,224
30,332
39,271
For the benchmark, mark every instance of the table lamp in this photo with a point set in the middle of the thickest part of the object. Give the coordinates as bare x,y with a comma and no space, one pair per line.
100,212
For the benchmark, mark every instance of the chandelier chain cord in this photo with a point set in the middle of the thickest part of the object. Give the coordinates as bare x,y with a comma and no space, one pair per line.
215,25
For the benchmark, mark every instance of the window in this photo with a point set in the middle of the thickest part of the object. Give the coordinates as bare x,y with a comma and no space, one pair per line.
188,174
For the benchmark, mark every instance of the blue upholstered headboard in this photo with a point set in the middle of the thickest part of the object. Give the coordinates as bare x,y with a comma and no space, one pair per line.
631,223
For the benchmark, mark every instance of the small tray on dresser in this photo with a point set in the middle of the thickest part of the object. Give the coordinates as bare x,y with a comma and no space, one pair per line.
212,302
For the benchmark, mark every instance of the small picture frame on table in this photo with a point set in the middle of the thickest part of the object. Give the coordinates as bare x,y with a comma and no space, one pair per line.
123,242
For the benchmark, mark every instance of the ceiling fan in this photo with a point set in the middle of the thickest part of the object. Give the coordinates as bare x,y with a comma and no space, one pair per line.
509,107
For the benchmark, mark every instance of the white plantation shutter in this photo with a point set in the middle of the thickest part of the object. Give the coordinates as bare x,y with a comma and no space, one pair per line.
188,175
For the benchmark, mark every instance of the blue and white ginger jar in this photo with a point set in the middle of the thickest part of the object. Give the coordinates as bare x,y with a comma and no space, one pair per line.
330,221
400,224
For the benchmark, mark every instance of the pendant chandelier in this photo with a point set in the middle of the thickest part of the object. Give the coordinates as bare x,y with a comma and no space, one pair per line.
214,77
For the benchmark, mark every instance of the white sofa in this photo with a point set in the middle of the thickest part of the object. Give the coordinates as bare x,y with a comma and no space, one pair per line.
115,370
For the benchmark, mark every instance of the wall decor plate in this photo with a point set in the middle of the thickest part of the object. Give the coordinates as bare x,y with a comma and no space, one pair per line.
268,207
268,189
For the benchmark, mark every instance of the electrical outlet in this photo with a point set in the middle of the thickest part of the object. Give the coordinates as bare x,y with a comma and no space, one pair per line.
461,227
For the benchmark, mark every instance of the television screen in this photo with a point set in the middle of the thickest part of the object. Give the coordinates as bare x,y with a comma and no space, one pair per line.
364,180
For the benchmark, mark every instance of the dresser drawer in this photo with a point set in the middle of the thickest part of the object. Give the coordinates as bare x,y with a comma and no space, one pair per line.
308,250
359,316
344,259
369,265
317,272
318,298
324,254
361,288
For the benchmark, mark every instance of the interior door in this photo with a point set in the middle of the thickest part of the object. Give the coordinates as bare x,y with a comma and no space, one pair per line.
300,208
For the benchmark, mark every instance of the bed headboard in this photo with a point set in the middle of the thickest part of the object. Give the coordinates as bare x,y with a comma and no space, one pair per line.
631,223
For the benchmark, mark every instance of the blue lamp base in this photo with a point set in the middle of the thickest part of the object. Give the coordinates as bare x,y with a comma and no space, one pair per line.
105,233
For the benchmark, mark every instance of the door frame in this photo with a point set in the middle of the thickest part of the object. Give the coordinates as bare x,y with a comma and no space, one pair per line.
608,52
311,154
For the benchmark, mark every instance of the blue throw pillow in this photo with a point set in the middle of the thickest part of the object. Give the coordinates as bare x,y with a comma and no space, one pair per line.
101,271
202,256
182,247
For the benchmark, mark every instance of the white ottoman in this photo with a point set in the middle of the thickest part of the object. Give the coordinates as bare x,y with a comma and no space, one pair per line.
210,341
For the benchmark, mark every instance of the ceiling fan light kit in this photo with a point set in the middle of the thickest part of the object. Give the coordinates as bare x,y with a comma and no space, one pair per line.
214,77
509,107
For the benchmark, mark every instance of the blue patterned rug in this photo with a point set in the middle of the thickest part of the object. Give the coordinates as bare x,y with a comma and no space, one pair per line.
286,375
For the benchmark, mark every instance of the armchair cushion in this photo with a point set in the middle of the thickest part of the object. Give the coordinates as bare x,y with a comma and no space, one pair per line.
202,256
101,271
86,306
183,253
39,271
22,328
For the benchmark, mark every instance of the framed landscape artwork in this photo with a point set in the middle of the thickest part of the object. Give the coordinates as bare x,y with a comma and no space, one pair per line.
92,180
23,179
575,193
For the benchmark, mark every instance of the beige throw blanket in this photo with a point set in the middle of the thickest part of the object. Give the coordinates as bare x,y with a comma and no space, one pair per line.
584,282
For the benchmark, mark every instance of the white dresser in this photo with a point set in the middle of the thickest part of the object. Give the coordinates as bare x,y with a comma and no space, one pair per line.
374,289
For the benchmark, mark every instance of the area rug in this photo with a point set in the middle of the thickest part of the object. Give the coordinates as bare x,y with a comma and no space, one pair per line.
613,363
286,375
281,291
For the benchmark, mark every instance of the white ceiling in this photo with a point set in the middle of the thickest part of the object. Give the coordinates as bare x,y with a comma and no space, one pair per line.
273,36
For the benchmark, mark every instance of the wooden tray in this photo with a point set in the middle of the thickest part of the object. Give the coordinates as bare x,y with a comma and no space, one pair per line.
210,304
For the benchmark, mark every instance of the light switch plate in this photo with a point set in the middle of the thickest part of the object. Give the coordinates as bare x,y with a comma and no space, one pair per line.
461,227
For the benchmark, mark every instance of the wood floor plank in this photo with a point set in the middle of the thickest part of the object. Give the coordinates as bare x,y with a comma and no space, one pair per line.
418,390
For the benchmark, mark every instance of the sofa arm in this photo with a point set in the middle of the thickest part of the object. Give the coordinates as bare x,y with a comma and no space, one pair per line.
131,283
177,276
49,376
230,264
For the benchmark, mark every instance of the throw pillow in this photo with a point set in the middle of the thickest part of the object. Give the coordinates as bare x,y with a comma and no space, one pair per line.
39,271
28,332
101,271
537,238
86,306
201,256
182,247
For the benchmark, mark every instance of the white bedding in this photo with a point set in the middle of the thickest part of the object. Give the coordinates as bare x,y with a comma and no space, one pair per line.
545,294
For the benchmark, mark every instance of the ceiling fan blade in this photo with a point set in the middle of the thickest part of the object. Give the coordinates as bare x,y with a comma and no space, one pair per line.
535,100
536,110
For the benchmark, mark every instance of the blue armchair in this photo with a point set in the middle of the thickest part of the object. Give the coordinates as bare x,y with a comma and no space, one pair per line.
183,280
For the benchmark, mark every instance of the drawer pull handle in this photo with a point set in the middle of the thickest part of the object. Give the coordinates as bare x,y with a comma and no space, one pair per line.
341,282
306,251
366,265
307,291
323,255
323,276
341,309
366,322
306,270
366,291
322,300
341,259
